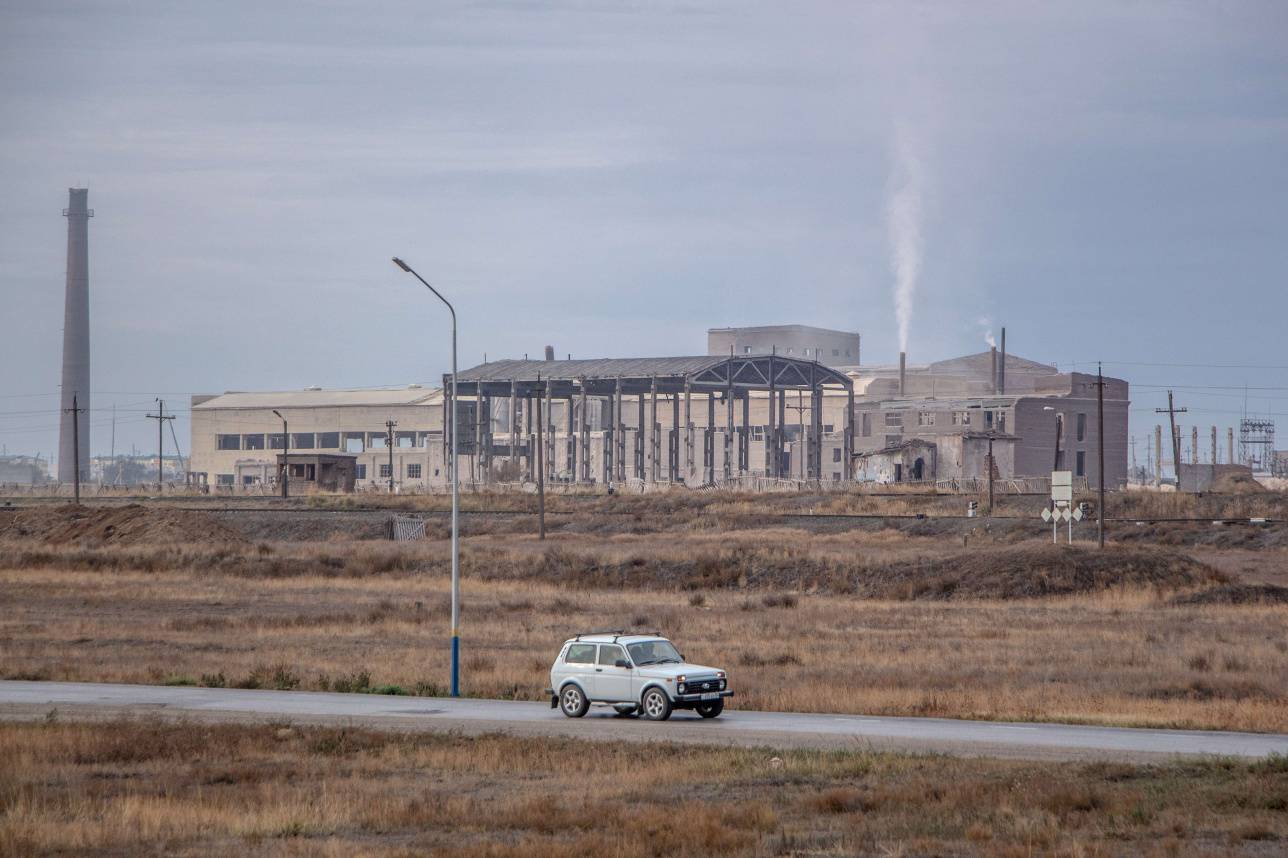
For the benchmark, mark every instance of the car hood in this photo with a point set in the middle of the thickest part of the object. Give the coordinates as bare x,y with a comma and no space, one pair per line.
670,671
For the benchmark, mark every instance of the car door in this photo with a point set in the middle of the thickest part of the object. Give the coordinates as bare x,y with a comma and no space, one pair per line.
579,664
612,682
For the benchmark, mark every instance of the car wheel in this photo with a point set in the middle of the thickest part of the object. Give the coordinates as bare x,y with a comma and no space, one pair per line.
656,705
712,709
628,710
573,702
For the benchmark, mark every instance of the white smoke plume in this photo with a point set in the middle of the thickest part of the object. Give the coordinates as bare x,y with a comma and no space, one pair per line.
986,325
904,205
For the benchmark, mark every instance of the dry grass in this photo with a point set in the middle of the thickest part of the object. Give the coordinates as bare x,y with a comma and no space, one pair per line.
139,787
364,616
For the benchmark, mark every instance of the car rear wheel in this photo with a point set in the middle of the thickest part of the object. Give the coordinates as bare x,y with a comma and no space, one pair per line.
573,702
656,705
712,709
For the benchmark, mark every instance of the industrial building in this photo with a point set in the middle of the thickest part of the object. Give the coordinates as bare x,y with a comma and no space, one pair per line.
74,425
238,440
828,347
724,419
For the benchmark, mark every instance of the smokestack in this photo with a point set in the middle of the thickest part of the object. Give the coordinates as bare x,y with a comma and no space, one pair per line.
76,340
1229,444
550,352
1001,368
992,353
903,368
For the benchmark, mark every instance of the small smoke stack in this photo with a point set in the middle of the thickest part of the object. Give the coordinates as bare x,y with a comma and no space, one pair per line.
992,353
1001,368
903,371
550,352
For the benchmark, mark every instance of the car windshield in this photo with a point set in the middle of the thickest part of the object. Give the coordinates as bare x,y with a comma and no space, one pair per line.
654,652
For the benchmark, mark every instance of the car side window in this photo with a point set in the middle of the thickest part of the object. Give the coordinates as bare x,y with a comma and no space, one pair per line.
580,654
610,653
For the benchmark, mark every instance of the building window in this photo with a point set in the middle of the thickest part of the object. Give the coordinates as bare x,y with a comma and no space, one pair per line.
836,455
1001,421
1082,464
1082,427
988,420
249,480
376,440
276,441
252,442
328,440
413,472
866,425
301,440
925,418
405,439
961,418
894,418
386,471
353,442
789,349
746,350
223,479
893,440
228,442
359,472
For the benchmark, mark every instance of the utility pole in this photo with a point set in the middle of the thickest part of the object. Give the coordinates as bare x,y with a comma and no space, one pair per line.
1171,410
75,412
541,466
285,477
389,442
160,417
1100,432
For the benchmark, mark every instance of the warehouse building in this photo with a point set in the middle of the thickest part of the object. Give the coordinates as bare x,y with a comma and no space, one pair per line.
828,347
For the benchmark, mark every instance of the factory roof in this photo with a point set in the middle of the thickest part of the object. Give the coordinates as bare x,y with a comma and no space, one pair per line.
318,398
703,370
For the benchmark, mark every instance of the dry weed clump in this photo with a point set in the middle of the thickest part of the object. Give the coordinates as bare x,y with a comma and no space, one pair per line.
136,787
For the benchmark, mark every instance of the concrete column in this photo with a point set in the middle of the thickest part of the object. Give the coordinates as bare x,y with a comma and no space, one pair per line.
673,440
771,459
847,451
571,444
1229,445
728,438
641,442
744,436
688,431
583,434
710,446
551,466
619,434
514,422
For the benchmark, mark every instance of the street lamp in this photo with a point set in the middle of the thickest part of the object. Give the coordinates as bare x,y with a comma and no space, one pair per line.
456,499
286,455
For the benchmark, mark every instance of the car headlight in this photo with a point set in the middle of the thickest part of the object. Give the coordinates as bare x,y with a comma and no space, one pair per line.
680,688
722,685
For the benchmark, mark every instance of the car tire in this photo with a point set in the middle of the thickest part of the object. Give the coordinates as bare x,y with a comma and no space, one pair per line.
573,702
712,709
656,705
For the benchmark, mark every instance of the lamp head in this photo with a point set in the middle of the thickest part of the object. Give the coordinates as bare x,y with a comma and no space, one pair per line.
279,414
403,265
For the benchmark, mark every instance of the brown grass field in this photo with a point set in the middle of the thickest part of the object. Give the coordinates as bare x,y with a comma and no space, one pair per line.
989,622
139,787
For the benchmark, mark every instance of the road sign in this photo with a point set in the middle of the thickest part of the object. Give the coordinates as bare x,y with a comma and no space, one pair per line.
1062,486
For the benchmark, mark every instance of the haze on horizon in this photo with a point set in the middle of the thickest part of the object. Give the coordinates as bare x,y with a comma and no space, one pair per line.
1106,180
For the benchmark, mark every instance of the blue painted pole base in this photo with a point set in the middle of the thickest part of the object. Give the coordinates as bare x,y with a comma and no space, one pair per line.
456,665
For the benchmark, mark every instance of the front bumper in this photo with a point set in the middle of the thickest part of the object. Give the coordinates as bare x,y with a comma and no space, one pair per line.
702,696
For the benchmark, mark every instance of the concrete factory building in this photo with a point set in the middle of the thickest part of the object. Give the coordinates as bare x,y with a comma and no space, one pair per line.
338,438
828,347
1025,408
708,420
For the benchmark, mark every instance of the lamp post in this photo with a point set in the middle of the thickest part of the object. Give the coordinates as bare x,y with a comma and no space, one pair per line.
456,499
286,455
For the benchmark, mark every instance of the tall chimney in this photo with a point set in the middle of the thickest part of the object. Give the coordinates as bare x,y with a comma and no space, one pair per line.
550,352
903,368
1001,368
75,340
992,353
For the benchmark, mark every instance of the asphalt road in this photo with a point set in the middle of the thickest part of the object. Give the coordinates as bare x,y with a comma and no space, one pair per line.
30,700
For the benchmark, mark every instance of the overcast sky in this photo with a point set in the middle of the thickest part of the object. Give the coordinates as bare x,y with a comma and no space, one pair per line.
1108,180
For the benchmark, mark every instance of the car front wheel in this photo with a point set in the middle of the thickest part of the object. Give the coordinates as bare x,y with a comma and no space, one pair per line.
656,705
573,702
712,709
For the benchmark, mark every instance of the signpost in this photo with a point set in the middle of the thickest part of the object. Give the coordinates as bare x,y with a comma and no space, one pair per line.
1061,508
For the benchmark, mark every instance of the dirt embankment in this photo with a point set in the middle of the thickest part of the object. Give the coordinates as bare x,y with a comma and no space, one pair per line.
125,525
1012,572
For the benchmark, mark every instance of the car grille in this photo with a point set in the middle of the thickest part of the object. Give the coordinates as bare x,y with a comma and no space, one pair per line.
702,685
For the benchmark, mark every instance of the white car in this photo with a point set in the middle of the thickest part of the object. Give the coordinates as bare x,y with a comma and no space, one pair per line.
635,674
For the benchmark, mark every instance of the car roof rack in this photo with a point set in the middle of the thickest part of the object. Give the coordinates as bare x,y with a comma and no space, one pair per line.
616,633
